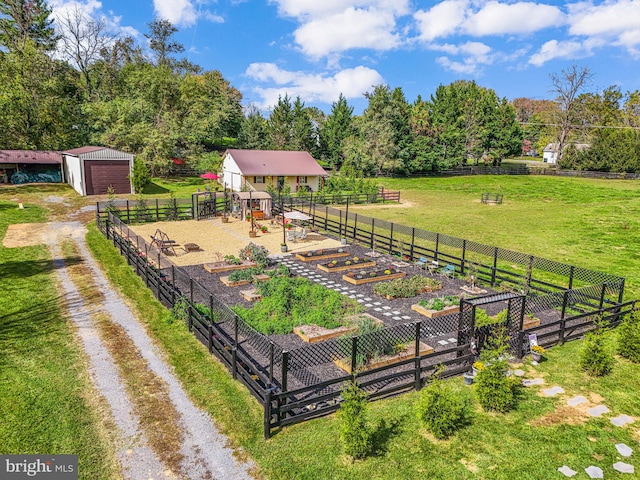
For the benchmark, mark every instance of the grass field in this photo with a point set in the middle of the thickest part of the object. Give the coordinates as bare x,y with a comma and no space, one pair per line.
593,224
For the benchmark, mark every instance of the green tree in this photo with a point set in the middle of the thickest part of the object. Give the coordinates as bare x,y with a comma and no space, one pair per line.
280,125
253,131
355,432
140,177
337,127
24,21
303,134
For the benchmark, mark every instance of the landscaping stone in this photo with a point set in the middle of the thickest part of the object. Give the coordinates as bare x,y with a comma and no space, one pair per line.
623,467
566,471
621,420
598,411
518,373
624,450
575,401
594,472
532,382
553,391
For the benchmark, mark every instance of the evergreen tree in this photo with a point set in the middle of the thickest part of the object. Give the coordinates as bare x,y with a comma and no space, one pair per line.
337,127
280,125
23,21
303,136
253,131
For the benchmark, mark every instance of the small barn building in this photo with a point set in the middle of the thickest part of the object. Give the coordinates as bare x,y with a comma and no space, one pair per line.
29,166
91,170
258,169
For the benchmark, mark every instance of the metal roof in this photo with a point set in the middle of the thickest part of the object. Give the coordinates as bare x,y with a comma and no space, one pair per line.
36,157
276,162
99,153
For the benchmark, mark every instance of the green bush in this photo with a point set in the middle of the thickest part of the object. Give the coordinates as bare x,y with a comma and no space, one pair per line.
441,409
355,433
495,390
406,287
440,303
255,253
629,337
596,355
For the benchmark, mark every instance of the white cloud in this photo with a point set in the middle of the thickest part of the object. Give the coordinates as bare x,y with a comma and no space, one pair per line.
346,30
351,82
568,49
178,12
617,22
334,26
458,67
452,17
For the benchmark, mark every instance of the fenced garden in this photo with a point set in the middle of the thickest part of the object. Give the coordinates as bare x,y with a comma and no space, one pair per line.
294,383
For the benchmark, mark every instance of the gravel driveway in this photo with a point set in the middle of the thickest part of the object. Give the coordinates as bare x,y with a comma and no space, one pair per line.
206,455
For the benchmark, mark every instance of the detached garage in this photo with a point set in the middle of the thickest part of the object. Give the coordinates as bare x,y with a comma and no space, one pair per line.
91,170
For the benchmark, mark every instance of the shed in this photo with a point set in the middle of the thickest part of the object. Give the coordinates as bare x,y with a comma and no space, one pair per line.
258,202
28,166
91,170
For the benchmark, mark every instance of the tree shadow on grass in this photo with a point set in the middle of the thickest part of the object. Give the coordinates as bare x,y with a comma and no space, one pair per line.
154,189
382,433
27,268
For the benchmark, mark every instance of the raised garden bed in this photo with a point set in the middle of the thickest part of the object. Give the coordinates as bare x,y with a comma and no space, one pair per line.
251,295
473,290
221,267
261,277
350,264
435,313
530,322
406,287
375,276
383,360
313,255
314,333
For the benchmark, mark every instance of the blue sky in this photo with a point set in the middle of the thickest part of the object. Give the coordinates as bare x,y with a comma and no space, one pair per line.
317,49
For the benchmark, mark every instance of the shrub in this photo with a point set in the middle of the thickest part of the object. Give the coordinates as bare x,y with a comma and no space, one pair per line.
596,356
355,433
441,410
180,310
629,337
255,253
495,390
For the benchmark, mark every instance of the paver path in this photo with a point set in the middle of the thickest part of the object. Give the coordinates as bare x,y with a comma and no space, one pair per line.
206,455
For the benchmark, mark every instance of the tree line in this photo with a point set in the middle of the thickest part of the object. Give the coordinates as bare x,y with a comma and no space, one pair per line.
73,83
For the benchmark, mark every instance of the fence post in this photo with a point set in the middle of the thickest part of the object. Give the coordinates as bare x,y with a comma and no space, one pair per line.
435,254
285,369
107,223
418,362
530,272
355,225
271,363
413,240
464,254
173,285
373,222
495,266
210,339
267,413
391,239
326,217
565,299
602,294
354,355
128,214
157,211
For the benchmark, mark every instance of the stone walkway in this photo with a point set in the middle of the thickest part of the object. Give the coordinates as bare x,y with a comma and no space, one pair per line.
621,420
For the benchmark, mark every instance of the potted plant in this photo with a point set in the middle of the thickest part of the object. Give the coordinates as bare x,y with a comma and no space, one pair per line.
468,378
283,247
264,229
477,367
536,352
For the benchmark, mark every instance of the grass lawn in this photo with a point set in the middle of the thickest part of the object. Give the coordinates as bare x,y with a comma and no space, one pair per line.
593,224
182,187
47,404
541,215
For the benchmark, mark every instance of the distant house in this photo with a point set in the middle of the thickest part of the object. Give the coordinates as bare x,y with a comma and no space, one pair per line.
550,152
257,169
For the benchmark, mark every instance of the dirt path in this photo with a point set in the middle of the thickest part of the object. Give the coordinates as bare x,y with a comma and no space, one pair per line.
202,451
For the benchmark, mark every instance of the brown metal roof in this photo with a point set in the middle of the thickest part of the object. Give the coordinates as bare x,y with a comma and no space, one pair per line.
276,162
81,150
31,157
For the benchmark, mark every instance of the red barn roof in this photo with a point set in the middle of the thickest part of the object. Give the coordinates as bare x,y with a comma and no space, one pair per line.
36,157
276,162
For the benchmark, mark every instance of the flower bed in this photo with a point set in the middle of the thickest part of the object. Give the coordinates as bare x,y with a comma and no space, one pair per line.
358,278
340,265
530,322
436,307
407,287
322,254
